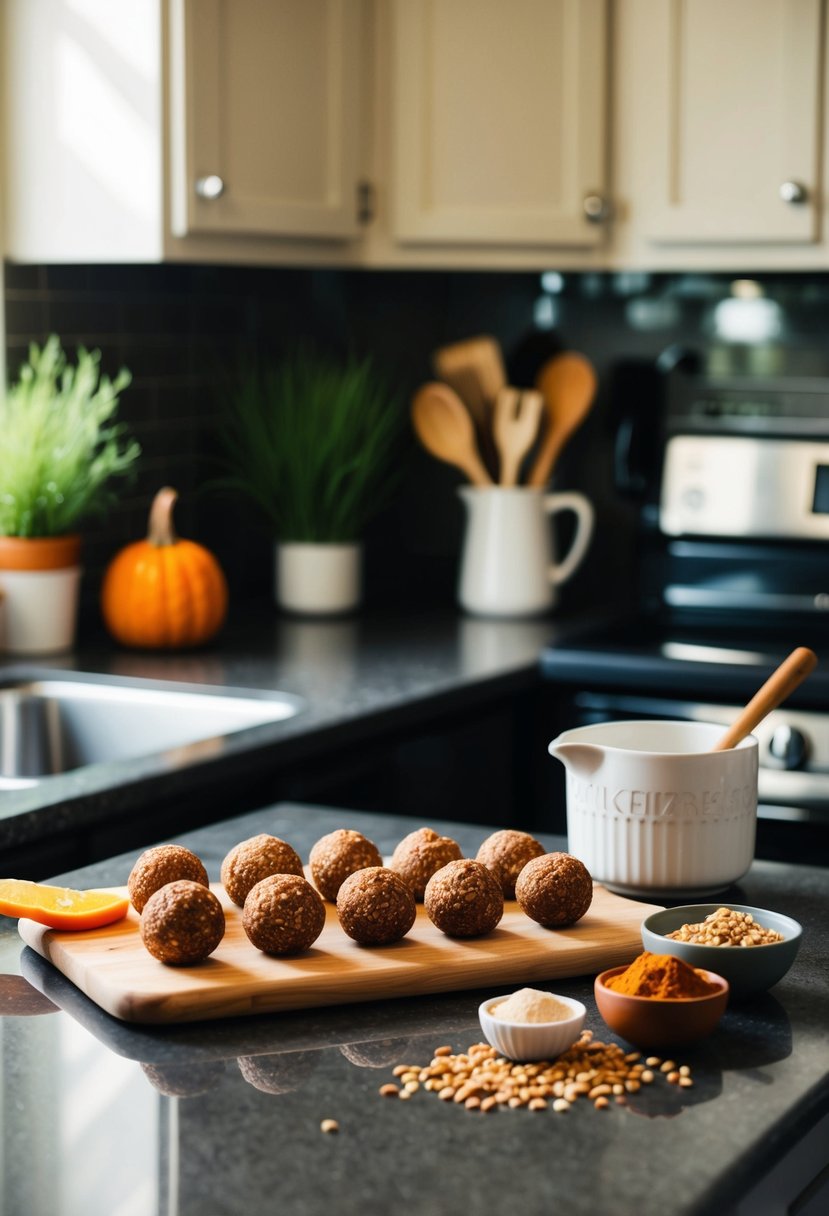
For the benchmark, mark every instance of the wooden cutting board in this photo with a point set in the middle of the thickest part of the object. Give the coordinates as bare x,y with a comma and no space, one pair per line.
112,967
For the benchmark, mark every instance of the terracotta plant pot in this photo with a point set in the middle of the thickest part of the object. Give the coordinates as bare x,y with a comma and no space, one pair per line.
39,583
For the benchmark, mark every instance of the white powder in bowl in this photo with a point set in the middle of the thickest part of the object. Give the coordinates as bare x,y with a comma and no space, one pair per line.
530,1005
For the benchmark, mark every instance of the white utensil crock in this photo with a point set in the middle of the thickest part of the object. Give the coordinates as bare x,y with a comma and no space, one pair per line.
651,810
509,566
318,579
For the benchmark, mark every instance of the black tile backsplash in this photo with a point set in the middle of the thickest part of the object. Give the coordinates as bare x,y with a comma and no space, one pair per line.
181,330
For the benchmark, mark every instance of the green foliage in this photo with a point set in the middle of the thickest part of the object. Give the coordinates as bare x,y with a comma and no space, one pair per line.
59,447
312,441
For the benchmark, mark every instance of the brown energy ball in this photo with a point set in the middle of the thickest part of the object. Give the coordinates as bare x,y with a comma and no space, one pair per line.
375,906
283,914
252,860
464,899
420,855
337,855
556,889
160,865
182,923
506,853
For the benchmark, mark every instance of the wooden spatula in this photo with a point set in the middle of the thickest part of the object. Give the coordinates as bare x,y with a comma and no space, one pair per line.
475,369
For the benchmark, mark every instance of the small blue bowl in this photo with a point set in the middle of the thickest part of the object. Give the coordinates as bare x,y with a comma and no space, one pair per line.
748,969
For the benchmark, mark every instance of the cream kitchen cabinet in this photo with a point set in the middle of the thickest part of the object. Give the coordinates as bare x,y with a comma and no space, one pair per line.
266,117
191,129
498,122
719,131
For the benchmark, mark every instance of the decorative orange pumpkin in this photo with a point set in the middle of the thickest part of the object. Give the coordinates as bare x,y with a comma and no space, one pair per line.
163,592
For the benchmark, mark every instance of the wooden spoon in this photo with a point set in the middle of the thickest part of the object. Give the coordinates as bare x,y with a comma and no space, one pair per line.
515,426
568,385
444,426
780,684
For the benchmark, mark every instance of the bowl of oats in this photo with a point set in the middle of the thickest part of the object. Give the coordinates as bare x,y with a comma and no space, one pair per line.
752,948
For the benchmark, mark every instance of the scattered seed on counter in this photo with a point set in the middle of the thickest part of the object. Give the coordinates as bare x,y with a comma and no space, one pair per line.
479,1079
329,1126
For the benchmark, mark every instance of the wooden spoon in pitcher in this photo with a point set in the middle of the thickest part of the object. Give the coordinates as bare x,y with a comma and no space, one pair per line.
568,385
445,428
780,684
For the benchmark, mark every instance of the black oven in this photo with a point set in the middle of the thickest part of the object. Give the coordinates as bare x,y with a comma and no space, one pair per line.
731,478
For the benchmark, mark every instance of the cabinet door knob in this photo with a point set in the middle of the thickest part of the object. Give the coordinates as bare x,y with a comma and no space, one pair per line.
794,193
596,208
210,187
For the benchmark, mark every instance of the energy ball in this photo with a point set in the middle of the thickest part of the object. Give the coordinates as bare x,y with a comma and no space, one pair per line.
464,899
556,890
420,855
283,914
375,906
252,860
337,855
506,853
182,923
160,865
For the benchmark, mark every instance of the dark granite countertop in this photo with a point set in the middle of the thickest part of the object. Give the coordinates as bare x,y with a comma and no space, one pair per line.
355,677
89,1115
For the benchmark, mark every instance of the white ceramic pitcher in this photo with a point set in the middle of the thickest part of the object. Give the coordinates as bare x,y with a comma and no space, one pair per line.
651,809
509,566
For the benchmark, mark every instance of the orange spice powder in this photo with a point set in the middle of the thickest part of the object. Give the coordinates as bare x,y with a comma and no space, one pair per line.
661,976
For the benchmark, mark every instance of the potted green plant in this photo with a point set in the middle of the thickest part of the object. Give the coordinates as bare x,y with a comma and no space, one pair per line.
60,449
311,440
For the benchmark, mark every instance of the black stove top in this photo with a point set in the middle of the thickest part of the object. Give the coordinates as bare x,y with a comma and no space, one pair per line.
715,660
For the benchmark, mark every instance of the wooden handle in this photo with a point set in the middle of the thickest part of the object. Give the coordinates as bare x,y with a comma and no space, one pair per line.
780,684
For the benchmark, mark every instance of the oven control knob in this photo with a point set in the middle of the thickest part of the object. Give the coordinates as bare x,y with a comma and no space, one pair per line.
788,745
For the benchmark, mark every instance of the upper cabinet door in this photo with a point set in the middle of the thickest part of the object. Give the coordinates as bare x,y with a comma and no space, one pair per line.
730,97
265,113
499,121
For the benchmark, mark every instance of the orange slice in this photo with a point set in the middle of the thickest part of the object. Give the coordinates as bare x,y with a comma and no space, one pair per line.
60,907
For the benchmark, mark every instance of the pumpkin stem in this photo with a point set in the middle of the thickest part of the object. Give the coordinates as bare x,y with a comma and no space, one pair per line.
160,531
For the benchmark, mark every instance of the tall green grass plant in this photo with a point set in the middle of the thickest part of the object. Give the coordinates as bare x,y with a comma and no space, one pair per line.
60,447
312,441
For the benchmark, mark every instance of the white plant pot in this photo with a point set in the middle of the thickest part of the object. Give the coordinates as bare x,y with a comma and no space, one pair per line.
39,582
39,610
318,579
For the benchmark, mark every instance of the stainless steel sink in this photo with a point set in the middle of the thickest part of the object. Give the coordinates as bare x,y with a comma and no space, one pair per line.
60,722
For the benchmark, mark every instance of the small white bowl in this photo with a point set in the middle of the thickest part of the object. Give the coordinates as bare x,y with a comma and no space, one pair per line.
531,1040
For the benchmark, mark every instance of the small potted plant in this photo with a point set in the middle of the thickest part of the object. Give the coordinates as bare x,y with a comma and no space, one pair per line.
60,449
311,441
